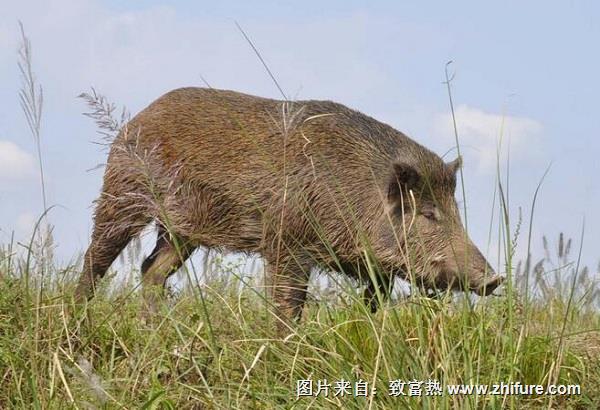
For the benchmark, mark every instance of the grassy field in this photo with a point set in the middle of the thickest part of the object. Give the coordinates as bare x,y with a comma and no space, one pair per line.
213,346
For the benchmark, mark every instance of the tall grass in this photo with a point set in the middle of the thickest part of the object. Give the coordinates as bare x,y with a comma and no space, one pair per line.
113,360
31,99
213,344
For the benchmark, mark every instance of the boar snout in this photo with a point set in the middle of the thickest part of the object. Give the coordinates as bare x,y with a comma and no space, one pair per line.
484,279
471,272
489,284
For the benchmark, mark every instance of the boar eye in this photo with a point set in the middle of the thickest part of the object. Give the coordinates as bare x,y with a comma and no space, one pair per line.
429,213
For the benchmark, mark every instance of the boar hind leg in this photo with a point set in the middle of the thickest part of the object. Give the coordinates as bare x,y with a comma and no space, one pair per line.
287,281
165,259
113,229
375,285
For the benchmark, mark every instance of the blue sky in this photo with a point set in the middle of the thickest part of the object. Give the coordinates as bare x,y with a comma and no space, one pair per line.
533,66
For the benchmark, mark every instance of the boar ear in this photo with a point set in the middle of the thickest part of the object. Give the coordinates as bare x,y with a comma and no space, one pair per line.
455,165
404,177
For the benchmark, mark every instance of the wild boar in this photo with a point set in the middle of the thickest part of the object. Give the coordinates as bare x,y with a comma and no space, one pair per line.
308,184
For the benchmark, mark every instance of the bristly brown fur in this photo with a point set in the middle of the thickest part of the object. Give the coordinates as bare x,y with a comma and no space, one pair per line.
305,184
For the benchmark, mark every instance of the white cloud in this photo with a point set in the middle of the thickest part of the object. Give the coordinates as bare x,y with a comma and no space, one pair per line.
15,163
482,135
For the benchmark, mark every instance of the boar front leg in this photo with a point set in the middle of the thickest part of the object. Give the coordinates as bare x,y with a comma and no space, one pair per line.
378,284
287,282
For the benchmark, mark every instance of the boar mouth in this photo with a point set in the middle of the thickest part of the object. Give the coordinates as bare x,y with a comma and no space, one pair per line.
486,287
489,284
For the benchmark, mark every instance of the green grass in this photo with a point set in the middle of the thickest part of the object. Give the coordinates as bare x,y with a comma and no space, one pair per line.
54,356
